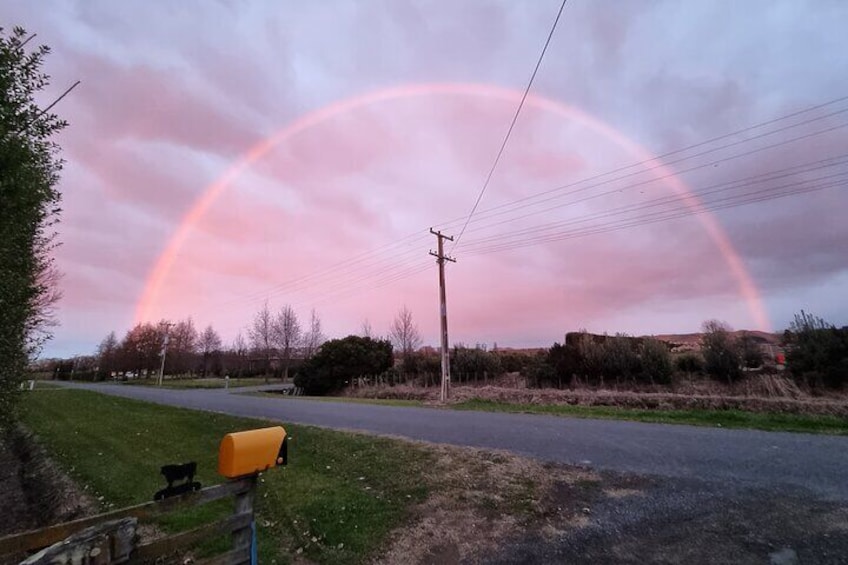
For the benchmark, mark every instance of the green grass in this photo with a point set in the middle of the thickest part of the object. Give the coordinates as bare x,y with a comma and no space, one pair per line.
208,383
345,490
713,418
351,400
46,385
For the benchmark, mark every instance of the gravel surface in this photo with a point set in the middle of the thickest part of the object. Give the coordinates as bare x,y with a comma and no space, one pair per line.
693,522
735,459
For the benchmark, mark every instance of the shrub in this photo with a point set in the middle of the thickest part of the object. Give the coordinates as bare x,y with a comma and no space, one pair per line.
749,351
656,361
591,355
476,363
818,352
689,363
721,355
515,361
619,358
339,361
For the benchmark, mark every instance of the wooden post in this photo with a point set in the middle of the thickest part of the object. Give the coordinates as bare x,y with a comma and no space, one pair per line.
243,537
443,311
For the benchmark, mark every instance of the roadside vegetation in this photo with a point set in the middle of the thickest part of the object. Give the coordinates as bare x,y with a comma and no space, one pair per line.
343,498
30,164
201,383
714,418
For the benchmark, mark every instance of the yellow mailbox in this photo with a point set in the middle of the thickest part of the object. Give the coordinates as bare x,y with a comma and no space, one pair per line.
253,451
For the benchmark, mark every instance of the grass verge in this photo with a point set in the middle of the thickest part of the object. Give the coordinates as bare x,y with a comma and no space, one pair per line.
209,383
714,418
347,399
335,503
767,421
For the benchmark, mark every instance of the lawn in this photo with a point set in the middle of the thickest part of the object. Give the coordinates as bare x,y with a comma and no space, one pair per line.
201,383
713,418
336,502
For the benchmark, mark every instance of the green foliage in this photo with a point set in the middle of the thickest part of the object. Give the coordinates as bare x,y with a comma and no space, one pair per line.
656,361
29,171
689,363
591,355
597,359
340,361
721,353
619,359
475,364
422,364
818,352
515,361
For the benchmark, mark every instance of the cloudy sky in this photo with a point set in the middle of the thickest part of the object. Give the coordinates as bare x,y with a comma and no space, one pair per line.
221,154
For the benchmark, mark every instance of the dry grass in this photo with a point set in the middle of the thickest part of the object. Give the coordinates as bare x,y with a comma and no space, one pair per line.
481,498
757,393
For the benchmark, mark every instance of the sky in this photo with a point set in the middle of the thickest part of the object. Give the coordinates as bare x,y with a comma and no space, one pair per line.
224,154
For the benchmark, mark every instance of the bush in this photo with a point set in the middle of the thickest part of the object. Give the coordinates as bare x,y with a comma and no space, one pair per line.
421,364
591,355
749,351
476,364
565,363
818,352
339,361
721,354
619,358
689,363
656,361
515,361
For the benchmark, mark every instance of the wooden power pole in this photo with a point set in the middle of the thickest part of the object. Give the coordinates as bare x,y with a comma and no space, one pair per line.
165,339
440,259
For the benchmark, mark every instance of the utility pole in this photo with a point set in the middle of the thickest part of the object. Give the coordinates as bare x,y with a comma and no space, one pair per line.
165,341
440,259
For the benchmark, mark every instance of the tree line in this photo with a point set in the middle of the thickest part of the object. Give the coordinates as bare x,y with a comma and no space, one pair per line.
273,344
269,345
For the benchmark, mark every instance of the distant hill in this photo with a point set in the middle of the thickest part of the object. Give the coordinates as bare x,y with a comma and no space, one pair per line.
693,341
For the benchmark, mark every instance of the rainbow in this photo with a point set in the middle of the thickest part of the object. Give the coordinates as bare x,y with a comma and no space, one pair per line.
165,262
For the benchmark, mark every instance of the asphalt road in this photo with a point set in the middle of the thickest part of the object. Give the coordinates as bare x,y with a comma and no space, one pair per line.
740,458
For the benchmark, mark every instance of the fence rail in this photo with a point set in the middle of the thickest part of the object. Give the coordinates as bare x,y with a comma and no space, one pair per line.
239,524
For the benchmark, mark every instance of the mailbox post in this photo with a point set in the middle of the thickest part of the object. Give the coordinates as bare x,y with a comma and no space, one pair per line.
242,456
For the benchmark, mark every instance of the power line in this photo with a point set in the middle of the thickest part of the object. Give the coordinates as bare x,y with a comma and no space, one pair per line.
659,166
511,125
662,216
662,156
711,189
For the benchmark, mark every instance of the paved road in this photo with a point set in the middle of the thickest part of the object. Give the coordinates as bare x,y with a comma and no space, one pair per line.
735,457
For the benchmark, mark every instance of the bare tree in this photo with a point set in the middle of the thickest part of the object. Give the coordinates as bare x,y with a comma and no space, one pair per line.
314,338
107,353
261,334
209,344
366,329
240,350
182,346
287,334
404,332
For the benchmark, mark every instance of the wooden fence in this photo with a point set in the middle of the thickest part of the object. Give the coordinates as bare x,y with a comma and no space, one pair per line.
112,537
